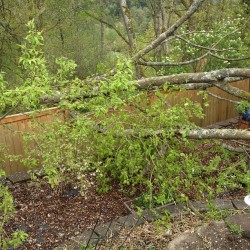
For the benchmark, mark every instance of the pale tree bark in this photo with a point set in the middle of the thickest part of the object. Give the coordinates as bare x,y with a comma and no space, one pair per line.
101,32
128,25
158,24
226,134
202,77
166,18
162,13
188,81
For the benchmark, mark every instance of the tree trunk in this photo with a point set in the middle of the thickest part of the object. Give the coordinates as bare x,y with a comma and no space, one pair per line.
130,32
225,134
216,77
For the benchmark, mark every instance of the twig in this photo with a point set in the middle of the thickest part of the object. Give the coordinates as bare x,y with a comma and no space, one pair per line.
242,143
9,111
221,98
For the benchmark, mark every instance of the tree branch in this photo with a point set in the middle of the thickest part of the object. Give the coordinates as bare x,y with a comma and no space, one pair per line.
203,47
225,134
201,77
108,25
219,134
229,59
193,8
221,98
169,64
233,90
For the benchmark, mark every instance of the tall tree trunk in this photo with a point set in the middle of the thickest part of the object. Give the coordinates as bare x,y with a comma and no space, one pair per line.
102,27
128,25
130,33
158,26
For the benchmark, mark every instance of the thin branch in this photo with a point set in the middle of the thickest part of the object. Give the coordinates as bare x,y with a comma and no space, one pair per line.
172,63
242,94
108,25
229,59
193,8
202,47
9,111
221,98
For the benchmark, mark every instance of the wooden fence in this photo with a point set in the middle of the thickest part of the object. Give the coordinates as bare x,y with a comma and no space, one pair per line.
218,110
12,127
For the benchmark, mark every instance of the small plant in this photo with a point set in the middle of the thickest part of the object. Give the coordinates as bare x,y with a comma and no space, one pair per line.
234,228
243,109
6,213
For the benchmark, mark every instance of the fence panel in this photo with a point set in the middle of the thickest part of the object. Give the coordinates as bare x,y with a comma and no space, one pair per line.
218,110
11,129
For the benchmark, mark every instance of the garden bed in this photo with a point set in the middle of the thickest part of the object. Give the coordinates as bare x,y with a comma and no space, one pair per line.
52,218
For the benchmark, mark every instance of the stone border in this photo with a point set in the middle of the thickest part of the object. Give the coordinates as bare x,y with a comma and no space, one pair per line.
112,228
223,124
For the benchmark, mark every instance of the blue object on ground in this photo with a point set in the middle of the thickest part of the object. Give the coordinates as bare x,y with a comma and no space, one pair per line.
246,116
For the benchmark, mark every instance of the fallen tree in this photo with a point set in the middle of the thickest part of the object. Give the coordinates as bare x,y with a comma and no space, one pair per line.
225,134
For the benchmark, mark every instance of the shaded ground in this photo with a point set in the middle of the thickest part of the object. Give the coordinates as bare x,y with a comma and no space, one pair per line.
50,218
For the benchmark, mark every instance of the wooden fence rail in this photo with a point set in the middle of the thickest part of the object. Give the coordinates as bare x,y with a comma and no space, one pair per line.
10,126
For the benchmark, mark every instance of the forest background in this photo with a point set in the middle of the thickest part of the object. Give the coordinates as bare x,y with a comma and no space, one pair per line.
93,34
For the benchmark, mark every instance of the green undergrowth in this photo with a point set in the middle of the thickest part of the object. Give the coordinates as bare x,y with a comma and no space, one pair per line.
121,135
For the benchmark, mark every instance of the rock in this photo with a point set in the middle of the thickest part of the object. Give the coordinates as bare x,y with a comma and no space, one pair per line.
18,177
43,227
242,221
71,192
214,235
240,204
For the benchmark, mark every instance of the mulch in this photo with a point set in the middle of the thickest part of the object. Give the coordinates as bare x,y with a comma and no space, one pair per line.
51,218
